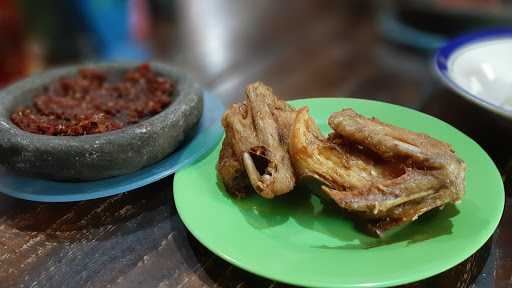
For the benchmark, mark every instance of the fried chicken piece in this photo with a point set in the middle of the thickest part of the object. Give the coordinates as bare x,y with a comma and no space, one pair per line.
376,171
231,171
255,148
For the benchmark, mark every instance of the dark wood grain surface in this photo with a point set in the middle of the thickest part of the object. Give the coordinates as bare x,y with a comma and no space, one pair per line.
300,48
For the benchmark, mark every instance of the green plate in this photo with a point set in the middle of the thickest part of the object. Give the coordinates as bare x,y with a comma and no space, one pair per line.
295,240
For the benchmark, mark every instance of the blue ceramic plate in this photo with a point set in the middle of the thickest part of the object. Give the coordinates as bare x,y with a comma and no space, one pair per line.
206,136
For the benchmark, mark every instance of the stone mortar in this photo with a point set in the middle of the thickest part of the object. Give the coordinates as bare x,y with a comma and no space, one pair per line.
96,156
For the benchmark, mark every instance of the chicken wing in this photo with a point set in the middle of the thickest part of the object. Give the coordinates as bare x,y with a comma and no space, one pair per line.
374,170
377,172
255,148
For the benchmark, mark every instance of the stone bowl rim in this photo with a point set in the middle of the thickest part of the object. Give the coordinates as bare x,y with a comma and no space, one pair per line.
13,90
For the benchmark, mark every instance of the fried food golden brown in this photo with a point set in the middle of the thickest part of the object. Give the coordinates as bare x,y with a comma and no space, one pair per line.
376,171
379,173
255,148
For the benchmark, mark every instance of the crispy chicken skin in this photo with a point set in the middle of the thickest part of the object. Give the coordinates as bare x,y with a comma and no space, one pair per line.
231,171
376,171
255,148
380,174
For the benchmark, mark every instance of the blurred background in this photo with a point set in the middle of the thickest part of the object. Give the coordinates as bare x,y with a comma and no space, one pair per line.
367,49
212,38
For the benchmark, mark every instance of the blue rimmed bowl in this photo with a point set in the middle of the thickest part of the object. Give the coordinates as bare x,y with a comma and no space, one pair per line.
478,67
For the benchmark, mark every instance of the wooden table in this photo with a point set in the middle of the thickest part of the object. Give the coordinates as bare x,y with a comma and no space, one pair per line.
301,49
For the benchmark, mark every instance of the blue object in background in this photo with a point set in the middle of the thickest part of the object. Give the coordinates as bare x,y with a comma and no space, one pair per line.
395,30
109,21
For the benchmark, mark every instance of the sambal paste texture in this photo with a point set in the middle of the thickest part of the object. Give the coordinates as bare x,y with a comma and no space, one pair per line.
89,104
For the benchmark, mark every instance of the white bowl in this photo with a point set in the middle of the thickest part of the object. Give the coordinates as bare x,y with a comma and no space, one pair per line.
478,66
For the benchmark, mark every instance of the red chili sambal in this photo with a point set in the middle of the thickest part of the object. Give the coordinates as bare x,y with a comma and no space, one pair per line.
89,104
